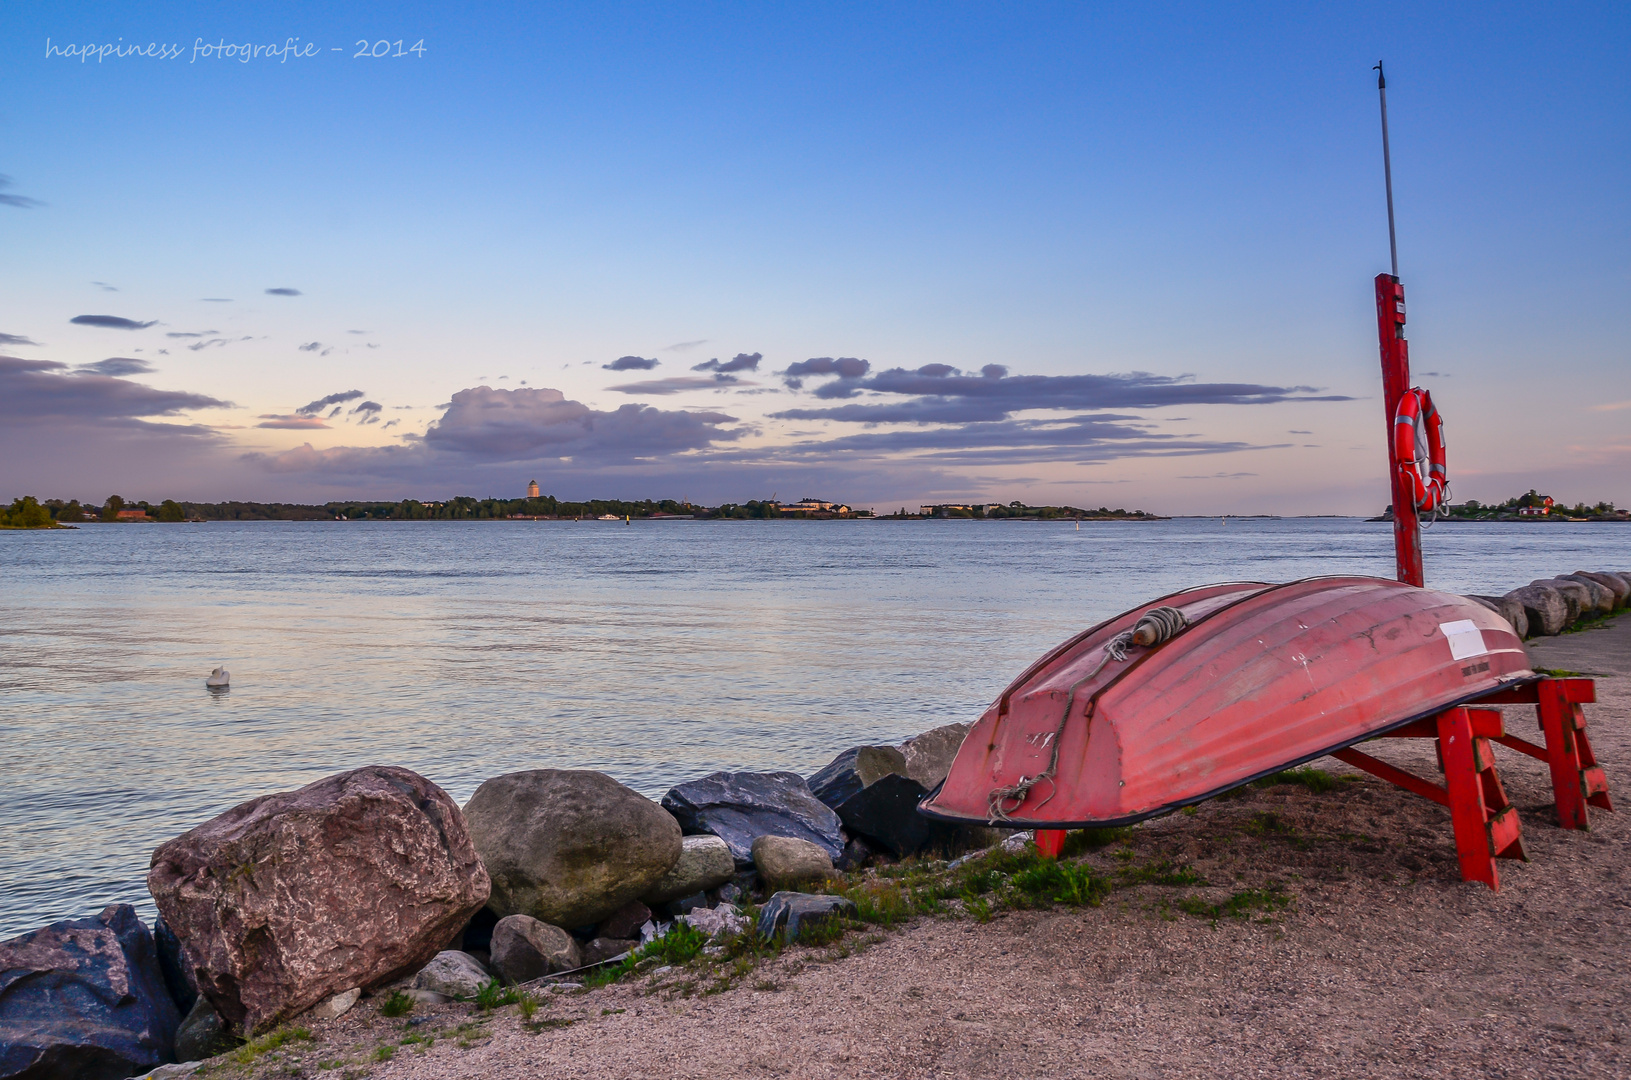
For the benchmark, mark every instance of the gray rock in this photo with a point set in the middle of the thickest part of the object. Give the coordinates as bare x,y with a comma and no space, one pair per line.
425,997
1602,597
1544,607
453,974
1614,583
1508,609
868,788
717,923
625,922
84,998
679,907
337,1006
792,913
787,860
705,863
600,949
929,755
178,977
569,847
740,807
730,893
203,1034
525,949
856,854
854,770
1574,594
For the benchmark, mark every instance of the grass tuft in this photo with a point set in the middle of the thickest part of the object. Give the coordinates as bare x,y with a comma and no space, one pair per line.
1239,906
493,994
396,1003
1316,780
254,1048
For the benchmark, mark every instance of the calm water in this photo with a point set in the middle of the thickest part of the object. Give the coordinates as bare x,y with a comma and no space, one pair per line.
655,652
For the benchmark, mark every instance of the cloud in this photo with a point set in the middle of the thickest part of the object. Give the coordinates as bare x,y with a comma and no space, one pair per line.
675,385
190,334
313,407
1220,476
1613,406
739,362
16,339
283,292
847,368
22,202
115,365
104,286
42,390
994,395
366,408
336,411
356,331
290,421
216,300
389,424
217,342
111,322
682,346
631,363
311,346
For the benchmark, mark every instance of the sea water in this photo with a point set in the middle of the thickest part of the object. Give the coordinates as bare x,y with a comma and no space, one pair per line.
656,652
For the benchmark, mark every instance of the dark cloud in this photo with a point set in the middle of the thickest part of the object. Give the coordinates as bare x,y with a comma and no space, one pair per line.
217,342
283,292
366,408
191,334
675,385
847,368
293,421
16,339
311,408
111,322
105,287
740,362
22,202
336,411
115,365
682,346
34,390
356,331
993,395
311,346
216,300
631,363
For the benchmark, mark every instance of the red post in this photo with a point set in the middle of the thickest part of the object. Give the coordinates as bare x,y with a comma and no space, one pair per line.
1484,820
1395,381
1049,842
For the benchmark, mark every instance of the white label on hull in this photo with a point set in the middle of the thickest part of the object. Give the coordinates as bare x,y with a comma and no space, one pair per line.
1464,638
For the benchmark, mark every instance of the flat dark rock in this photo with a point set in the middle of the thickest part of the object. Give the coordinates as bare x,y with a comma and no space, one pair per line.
739,807
793,913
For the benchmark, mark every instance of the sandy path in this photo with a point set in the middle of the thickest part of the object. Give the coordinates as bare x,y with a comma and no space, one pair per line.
1387,965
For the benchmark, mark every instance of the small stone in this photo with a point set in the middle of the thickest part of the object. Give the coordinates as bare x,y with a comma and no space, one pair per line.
625,922
729,893
857,853
600,950
524,948
202,1034
337,1006
425,997
688,903
792,913
717,922
452,973
1016,843
787,859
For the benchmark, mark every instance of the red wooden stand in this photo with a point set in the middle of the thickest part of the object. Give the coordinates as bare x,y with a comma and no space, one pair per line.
1485,822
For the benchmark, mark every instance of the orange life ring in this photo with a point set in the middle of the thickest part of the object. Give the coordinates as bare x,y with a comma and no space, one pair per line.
1418,447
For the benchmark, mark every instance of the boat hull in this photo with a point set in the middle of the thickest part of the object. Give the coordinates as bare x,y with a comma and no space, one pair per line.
1265,677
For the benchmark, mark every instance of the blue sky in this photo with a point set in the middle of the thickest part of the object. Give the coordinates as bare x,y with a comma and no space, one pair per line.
1162,220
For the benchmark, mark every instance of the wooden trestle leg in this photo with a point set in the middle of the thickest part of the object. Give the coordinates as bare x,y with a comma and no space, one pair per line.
1485,822
1577,780
1050,842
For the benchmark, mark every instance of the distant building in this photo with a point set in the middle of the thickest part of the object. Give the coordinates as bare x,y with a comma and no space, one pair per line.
532,489
134,515
813,506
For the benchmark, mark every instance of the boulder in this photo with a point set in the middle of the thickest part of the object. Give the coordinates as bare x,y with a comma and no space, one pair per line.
569,847
1508,609
792,913
600,949
1574,594
84,998
1544,607
676,908
929,755
203,1034
177,977
336,1006
856,769
788,860
1602,597
526,949
453,974
705,863
720,922
856,854
1614,583
740,807
625,922
291,898
868,789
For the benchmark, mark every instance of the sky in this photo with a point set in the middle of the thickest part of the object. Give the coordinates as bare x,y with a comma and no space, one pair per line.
1087,254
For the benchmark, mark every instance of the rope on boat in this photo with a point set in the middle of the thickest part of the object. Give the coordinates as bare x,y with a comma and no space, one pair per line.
1157,626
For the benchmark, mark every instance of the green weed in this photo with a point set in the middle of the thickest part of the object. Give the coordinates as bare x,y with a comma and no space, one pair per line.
1061,883
1268,823
396,1003
254,1048
1160,873
1316,780
527,1005
384,1053
493,994
1082,841
1240,905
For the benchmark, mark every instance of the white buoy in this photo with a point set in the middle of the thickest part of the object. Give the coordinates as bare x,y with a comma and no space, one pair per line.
218,678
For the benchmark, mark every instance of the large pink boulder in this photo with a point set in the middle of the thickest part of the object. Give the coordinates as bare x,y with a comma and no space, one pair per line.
288,899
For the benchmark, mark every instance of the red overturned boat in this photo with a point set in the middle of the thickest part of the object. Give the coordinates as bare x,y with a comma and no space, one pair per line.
1235,681
1208,689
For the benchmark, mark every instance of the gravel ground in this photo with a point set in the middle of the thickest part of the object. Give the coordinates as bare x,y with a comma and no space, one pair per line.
1383,963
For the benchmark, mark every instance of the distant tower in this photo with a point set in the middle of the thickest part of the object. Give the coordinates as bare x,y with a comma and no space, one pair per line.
532,489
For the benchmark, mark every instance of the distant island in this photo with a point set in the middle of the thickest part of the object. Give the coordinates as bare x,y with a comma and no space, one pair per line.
31,513
1530,506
